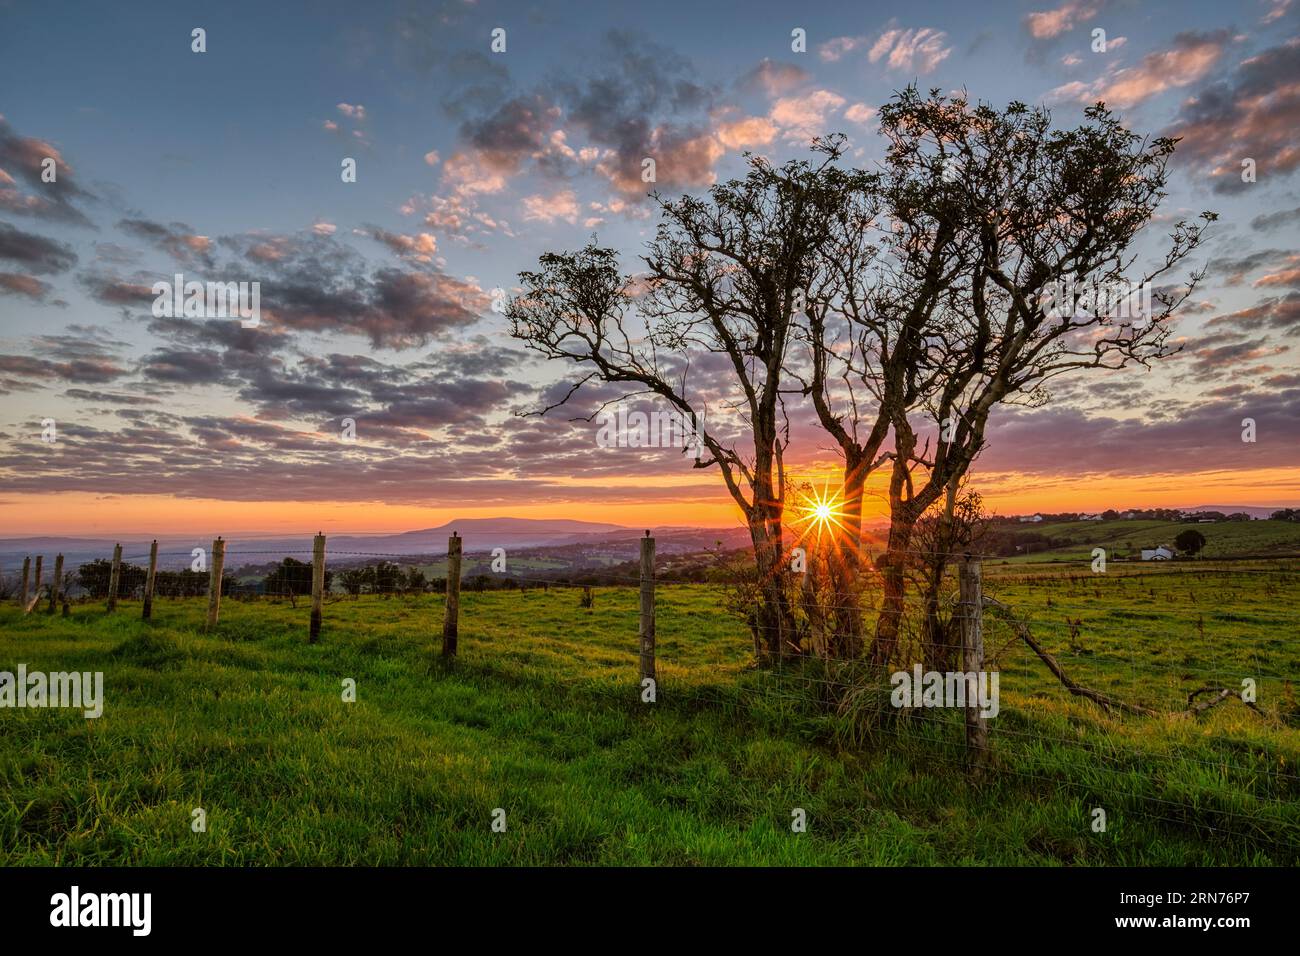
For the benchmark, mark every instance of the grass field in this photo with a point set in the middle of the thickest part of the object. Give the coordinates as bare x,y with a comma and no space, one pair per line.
541,716
1223,539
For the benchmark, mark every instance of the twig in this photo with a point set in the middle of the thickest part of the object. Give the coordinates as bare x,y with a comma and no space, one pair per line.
1097,697
1221,694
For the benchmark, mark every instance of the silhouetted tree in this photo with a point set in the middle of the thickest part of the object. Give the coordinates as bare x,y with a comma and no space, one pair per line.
1190,541
725,275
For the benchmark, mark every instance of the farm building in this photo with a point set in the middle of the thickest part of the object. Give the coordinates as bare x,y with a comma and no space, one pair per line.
1157,554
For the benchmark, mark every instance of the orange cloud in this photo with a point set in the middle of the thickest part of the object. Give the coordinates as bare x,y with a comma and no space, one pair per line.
1046,24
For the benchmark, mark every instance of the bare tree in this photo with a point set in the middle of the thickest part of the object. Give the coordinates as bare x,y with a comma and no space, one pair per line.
899,245
1045,220
724,275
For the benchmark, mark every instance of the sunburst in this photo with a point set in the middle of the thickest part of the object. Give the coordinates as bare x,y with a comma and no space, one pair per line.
821,512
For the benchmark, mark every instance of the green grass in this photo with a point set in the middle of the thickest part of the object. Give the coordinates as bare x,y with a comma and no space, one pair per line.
541,716
1073,541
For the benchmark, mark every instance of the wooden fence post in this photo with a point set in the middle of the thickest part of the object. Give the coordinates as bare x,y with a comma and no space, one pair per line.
147,611
214,581
114,578
27,574
972,646
57,583
36,589
451,621
647,624
317,585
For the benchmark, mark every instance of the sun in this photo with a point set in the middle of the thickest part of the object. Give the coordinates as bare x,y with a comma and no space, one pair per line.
820,512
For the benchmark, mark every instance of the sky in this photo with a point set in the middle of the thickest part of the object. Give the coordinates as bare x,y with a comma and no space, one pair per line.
377,294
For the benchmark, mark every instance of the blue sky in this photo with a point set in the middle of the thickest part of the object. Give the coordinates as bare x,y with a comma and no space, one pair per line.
471,163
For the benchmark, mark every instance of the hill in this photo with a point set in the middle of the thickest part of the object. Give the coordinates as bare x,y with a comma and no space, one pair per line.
1123,540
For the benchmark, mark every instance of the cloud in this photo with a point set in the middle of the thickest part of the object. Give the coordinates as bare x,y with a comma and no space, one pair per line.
1276,11
12,283
803,117
89,371
642,101
109,398
836,48
421,248
1236,271
911,51
1288,275
189,368
860,113
1251,114
1202,435
684,157
23,159
35,253
1278,312
177,239
516,130
746,133
560,205
357,112
1266,222
906,50
1048,24
468,173
773,78
393,308
1229,352
1191,57
111,290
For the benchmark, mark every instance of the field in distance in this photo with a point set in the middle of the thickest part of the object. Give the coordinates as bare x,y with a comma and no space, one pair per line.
1124,540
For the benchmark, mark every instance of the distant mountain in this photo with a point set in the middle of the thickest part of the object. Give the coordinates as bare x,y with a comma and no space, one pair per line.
480,535
75,551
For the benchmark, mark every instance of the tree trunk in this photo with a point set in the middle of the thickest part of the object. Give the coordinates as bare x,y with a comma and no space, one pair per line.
937,637
846,568
892,566
774,619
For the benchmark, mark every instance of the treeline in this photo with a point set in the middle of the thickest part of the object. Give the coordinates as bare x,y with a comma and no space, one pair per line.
386,577
95,578
1146,514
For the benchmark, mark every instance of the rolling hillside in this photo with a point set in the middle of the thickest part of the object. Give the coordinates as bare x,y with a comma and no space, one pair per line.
1074,540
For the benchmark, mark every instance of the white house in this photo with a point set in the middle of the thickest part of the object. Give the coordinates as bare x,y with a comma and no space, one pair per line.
1157,554
1034,518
